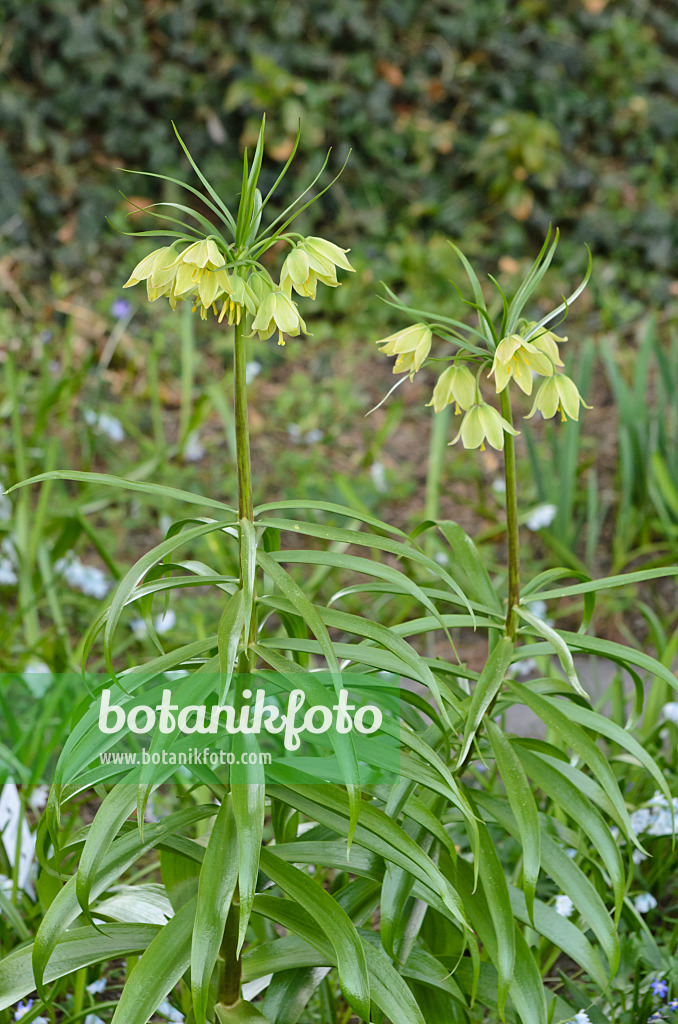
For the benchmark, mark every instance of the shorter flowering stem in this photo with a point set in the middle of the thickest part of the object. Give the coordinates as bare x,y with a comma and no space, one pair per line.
511,519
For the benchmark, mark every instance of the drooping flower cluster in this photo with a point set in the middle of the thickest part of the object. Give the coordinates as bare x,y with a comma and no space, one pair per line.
205,273
523,352
224,266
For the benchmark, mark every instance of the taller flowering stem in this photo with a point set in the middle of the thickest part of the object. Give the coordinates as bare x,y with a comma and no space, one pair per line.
242,428
511,519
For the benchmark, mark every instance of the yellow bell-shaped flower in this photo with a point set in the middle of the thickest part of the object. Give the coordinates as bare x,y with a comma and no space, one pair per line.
546,341
204,254
158,259
558,394
310,261
277,312
483,423
238,296
411,346
517,358
455,384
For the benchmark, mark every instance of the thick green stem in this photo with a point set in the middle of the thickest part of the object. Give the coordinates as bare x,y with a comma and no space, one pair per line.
229,987
242,428
511,519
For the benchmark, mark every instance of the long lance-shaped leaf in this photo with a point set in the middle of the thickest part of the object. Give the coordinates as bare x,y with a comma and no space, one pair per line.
334,509
248,786
365,654
116,808
209,229
525,989
353,563
253,177
592,720
293,676
621,654
388,638
477,292
231,624
80,947
494,884
564,793
530,282
293,592
137,572
564,306
523,806
119,482
387,989
335,923
608,582
124,852
558,645
158,970
562,933
351,537
86,740
395,894
288,953
571,879
182,184
218,878
552,713
219,202
473,577
485,691
527,986
285,169
289,992
376,832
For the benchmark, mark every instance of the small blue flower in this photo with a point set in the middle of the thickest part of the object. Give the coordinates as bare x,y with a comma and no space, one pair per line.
673,1005
120,308
22,1009
654,1017
659,988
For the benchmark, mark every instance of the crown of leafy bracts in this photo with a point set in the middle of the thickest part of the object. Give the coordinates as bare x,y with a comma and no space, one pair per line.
220,262
516,351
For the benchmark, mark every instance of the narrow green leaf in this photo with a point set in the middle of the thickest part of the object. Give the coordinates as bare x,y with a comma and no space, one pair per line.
218,878
249,806
119,482
583,814
523,806
229,634
312,618
335,923
559,646
79,947
123,853
485,691
158,969
496,892
468,566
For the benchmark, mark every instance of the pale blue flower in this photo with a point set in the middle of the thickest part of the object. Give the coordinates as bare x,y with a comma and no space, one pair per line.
120,308
644,902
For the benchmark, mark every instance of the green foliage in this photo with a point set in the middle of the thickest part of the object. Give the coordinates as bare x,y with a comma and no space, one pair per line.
428,900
